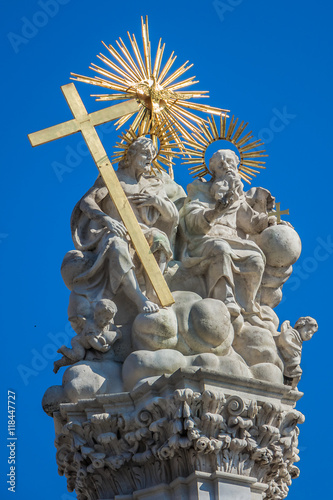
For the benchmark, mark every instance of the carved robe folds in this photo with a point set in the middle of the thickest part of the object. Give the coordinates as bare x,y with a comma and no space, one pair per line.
220,249
105,257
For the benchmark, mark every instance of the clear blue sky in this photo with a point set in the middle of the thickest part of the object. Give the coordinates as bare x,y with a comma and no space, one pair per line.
258,58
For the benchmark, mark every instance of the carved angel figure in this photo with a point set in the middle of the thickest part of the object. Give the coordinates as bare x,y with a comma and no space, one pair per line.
290,343
94,327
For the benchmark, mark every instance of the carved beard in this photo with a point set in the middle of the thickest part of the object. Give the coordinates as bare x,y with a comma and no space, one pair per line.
222,186
219,188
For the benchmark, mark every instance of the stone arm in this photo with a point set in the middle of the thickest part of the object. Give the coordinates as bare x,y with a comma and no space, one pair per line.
200,216
250,221
99,343
89,206
196,218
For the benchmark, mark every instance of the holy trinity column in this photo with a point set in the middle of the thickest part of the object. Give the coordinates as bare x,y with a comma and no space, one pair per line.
180,382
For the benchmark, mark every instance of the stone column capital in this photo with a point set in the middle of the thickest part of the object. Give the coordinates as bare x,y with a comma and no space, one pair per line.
178,431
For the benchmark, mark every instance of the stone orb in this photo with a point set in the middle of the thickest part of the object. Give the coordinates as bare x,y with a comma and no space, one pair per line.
281,245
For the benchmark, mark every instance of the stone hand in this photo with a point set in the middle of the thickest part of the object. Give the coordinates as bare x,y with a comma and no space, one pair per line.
145,200
115,227
223,203
272,220
220,206
149,200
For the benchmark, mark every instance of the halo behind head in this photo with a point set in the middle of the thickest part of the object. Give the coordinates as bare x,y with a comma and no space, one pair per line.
130,140
249,158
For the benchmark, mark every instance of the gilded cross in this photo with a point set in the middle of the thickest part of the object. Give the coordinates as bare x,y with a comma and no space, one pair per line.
85,123
277,212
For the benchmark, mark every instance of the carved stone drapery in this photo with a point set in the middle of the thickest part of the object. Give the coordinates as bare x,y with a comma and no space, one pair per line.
181,426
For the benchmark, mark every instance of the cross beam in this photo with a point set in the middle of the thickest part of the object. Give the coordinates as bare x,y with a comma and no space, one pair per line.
72,126
277,212
85,123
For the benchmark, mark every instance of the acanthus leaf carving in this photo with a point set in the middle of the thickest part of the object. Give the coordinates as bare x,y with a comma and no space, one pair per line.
174,435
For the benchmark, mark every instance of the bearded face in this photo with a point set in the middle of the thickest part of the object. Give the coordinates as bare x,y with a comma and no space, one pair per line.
223,162
139,155
225,178
219,189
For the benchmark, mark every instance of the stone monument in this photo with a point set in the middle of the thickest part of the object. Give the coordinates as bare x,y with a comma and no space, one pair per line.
179,381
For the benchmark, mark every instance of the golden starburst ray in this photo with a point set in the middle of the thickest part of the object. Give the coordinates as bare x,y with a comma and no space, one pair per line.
163,135
250,159
130,74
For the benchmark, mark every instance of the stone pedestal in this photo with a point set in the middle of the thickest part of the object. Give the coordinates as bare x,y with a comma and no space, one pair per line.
190,435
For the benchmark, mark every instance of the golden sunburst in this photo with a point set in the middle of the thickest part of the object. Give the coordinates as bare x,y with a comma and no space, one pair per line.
163,140
250,159
134,76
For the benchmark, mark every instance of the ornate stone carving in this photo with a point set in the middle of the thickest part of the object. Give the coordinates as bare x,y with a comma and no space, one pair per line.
226,267
116,445
93,324
290,343
211,378
104,262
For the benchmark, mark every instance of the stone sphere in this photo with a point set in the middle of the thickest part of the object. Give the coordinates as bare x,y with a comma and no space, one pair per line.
281,245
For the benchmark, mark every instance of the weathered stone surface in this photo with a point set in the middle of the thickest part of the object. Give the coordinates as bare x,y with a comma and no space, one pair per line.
188,428
290,343
226,267
281,245
194,399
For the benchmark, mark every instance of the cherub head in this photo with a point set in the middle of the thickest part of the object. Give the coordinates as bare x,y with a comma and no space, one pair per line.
104,312
80,313
306,326
90,318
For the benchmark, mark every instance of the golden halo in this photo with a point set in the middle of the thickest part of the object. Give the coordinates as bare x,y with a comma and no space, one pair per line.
249,157
165,149
136,76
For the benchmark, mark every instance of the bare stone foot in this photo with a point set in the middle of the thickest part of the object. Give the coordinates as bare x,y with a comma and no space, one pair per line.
150,307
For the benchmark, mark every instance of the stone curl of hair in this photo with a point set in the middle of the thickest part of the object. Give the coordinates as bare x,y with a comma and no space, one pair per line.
143,144
306,320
